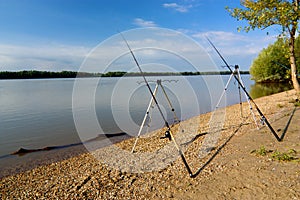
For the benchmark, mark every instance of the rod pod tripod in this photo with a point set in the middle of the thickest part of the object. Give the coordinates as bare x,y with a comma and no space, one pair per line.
151,105
263,118
168,133
237,75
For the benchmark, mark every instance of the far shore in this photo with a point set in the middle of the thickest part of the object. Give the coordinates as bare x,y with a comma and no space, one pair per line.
33,74
232,168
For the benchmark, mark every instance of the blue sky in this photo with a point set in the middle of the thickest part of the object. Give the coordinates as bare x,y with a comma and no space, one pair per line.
58,34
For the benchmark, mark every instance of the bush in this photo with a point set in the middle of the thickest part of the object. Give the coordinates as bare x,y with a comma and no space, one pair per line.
272,63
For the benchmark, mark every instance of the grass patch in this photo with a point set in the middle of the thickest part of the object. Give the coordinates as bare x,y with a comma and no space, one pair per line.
261,151
290,155
279,105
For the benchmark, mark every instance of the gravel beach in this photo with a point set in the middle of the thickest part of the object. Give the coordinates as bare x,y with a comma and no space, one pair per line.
230,159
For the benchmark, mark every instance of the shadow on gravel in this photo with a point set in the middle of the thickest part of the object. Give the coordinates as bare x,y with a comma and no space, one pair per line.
288,124
216,153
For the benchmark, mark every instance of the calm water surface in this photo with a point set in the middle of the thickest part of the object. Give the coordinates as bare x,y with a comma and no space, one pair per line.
39,113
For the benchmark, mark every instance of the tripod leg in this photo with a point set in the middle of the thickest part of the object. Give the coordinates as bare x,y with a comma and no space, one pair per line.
170,104
241,105
144,120
226,86
249,103
180,153
253,115
238,76
149,117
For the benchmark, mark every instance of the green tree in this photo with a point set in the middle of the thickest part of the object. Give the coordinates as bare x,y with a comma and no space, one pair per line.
265,13
270,65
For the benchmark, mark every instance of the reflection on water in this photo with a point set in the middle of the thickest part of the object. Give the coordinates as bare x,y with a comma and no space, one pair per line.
264,89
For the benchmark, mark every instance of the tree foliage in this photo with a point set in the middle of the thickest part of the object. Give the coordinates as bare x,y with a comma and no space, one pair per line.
270,65
265,13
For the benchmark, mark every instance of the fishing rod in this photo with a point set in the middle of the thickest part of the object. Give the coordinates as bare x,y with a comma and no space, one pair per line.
168,133
263,118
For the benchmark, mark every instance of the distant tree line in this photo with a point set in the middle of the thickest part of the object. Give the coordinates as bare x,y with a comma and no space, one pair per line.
33,74
119,74
210,73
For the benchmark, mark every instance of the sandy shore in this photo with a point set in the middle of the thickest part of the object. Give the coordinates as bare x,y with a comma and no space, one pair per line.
233,160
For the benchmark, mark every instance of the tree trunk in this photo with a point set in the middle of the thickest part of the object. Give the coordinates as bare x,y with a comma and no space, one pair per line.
294,68
292,48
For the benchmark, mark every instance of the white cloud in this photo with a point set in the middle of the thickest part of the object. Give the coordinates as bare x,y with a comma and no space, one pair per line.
143,23
237,48
154,45
221,36
149,44
158,46
50,57
236,44
177,7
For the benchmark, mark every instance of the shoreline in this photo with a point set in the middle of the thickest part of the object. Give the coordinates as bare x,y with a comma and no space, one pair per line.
28,159
229,170
33,74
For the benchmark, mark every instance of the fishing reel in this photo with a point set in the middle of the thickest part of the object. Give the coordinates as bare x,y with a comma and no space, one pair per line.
263,121
167,135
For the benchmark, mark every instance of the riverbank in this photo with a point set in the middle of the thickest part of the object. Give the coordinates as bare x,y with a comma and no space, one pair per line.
33,74
234,167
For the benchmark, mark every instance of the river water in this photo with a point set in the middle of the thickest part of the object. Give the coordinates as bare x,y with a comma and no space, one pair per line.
39,113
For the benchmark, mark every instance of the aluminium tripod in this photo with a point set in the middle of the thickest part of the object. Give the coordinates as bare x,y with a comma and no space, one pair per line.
237,75
151,105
